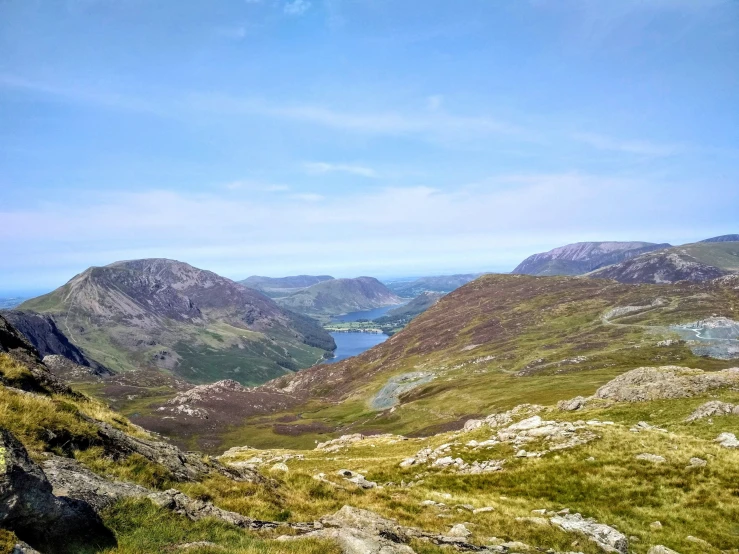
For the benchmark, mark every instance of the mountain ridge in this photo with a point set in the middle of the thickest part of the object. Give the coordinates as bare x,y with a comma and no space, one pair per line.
168,315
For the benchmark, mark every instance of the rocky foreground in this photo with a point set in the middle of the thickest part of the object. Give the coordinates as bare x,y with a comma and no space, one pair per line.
647,464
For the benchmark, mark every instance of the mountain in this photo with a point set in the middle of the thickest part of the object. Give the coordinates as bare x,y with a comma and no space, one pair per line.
596,471
439,283
701,261
397,318
583,257
275,287
340,296
496,342
723,238
168,315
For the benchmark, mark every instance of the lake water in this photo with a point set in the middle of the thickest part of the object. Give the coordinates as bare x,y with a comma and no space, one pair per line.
366,314
353,344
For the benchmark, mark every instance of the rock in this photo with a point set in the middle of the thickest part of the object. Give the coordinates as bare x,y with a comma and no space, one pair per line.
697,462
696,540
355,541
653,383
280,466
472,424
526,424
655,526
654,458
195,510
356,478
199,544
727,440
184,466
713,408
70,478
483,510
606,537
29,508
644,426
459,530
572,404
659,549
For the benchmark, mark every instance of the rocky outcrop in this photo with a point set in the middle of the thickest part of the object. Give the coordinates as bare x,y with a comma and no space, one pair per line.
655,383
29,508
728,440
713,408
607,538
184,466
70,478
43,333
67,370
360,531
17,346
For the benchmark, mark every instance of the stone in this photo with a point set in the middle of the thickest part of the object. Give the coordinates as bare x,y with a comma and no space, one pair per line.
696,540
654,383
606,537
195,510
697,462
459,530
659,549
572,404
355,541
713,408
70,478
29,508
727,440
280,466
654,458
655,526
356,478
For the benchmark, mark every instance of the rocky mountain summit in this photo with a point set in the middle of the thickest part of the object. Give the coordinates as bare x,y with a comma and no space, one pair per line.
723,238
667,266
164,314
583,257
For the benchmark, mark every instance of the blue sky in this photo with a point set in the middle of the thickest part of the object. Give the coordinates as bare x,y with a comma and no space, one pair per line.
359,136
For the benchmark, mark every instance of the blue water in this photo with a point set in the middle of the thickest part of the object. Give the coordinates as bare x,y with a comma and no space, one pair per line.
353,344
366,314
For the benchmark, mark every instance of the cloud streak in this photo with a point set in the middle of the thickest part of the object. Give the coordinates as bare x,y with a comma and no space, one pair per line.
321,168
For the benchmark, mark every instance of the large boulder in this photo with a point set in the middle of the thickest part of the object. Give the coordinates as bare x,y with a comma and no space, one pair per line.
28,507
607,538
655,383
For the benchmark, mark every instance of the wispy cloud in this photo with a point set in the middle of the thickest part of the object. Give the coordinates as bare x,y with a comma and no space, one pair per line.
255,186
308,197
322,168
640,147
296,7
235,32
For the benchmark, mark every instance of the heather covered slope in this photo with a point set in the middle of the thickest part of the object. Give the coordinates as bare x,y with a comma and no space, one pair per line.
700,261
163,314
499,341
582,257
340,296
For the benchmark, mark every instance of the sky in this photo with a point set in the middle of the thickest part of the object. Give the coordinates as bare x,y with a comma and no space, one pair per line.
359,137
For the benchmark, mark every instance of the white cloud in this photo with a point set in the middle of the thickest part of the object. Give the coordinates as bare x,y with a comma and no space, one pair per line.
237,32
296,7
255,186
307,197
322,168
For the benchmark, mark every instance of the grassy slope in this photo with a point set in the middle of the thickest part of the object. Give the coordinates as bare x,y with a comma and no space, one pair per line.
614,487
501,341
724,255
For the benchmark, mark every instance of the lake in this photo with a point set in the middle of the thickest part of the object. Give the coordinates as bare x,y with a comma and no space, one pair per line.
353,344
366,314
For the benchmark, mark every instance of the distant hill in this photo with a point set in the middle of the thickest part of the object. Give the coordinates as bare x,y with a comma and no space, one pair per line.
164,314
701,261
340,296
582,257
723,238
283,286
399,317
439,283
492,344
